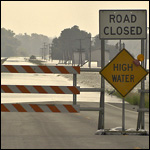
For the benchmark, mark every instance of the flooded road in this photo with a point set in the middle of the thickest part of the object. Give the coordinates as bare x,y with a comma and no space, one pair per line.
43,79
63,130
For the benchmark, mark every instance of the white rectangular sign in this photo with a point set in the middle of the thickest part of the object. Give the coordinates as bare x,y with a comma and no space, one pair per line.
122,24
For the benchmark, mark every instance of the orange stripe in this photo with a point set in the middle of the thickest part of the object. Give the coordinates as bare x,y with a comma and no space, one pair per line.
45,69
4,109
62,69
11,68
53,108
57,90
23,89
70,108
77,68
39,89
36,108
73,89
28,69
19,108
6,89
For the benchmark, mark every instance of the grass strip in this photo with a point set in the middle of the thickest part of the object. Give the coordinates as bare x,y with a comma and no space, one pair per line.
133,98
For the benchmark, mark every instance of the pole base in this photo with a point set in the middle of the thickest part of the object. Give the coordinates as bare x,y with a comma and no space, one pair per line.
118,131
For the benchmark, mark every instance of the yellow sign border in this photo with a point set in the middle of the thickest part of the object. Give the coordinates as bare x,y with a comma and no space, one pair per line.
111,62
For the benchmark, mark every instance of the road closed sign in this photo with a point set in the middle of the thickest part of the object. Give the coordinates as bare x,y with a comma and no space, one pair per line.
122,24
122,73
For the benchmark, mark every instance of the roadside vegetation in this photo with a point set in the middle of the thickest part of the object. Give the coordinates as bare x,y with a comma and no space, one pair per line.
93,80
133,98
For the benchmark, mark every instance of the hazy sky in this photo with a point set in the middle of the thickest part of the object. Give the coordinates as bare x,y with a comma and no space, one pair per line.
51,17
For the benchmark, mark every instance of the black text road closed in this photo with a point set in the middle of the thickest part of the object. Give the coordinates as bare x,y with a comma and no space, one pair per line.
122,24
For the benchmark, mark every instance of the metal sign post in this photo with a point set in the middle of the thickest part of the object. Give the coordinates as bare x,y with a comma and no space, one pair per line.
123,115
101,113
142,95
121,72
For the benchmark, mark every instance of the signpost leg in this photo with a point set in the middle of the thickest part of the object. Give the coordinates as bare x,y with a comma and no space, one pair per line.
101,113
141,118
142,87
123,115
120,44
139,121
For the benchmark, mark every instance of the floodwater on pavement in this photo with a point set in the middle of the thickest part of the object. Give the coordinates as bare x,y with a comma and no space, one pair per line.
43,79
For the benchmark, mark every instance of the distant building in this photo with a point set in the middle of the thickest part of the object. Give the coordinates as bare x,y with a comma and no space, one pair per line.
110,52
96,56
77,58
113,51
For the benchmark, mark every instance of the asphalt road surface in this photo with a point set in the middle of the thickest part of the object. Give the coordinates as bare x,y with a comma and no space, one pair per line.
66,130
69,131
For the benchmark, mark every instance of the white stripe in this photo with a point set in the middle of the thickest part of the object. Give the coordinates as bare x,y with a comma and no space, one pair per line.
14,88
44,108
4,69
37,69
61,108
65,89
78,88
11,87
76,107
2,91
27,107
54,69
48,89
10,107
71,69
20,69
31,89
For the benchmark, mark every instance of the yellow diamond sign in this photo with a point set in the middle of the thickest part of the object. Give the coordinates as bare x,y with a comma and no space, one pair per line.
122,73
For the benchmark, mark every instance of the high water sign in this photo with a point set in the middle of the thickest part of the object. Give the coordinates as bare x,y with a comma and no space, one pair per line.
122,73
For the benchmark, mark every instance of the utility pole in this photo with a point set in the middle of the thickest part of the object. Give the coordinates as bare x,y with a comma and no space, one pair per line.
50,52
80,53
90,53
90,50
120,44
123,45
146,51
44,50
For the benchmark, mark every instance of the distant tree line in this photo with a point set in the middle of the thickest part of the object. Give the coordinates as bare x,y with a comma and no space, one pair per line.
62,47
32,44
9,44
71,40
22,44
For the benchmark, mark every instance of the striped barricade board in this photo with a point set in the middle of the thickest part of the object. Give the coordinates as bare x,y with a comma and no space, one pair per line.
40,89
40,69
57,108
